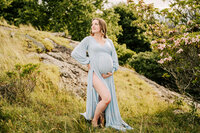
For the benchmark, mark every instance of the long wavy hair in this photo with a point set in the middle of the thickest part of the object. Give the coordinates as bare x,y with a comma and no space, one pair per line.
103,27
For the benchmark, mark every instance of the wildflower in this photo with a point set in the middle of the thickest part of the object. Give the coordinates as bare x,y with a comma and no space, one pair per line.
161,54
177,42
161,61
161,46
153,42
193,40
180,50
186,40
197,39
168,59
163,41
190,42
171,39
185,34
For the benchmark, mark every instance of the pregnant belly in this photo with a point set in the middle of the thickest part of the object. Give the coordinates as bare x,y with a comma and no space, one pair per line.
105,63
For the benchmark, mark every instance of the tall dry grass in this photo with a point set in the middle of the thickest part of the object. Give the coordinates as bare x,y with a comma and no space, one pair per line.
53,109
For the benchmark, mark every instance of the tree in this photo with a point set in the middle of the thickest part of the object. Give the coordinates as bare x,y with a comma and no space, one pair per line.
54,15
184,12
132,35
179,48
112,19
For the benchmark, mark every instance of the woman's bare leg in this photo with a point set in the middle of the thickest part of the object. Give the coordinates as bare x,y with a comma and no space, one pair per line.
105,98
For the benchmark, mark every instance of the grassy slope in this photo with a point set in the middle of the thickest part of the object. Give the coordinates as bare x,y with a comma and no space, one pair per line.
53,110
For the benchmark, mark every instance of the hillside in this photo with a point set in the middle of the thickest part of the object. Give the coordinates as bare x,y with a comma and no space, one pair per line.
60,92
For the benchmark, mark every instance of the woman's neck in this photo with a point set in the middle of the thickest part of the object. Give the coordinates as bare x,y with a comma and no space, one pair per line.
98,36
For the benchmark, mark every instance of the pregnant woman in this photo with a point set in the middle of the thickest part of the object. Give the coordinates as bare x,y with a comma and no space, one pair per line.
102,62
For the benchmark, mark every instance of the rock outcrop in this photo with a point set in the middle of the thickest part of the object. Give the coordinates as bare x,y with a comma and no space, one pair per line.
73,75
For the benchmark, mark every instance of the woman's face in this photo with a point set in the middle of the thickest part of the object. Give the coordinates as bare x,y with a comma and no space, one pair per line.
95,27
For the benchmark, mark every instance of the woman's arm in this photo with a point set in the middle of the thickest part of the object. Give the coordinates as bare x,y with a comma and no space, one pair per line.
79,52
114,58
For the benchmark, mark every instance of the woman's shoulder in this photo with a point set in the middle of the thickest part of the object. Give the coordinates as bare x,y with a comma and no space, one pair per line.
87,37
109,40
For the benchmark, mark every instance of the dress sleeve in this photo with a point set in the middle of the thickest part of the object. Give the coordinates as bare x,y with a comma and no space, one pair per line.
114,57
79,52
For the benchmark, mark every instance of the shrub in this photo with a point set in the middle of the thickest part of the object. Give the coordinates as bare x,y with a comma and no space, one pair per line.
180,56
146,64
124,54
19,83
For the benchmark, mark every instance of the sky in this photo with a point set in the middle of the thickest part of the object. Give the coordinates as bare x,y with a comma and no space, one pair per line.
157,3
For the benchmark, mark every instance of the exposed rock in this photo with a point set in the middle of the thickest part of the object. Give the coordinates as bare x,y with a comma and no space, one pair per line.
62,34
74,75
73,43
6,28
38,44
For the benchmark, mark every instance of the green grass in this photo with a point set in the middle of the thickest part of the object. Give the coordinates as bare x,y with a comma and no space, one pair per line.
51,109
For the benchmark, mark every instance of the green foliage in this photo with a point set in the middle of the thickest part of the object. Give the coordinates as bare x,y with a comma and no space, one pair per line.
53,15
4,4
19,83
146,64
21,11
124,54
132,34
180,57
112,19
184,12
52,110
79,18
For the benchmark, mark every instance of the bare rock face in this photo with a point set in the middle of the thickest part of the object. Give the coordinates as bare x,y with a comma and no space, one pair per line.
38,44
73,75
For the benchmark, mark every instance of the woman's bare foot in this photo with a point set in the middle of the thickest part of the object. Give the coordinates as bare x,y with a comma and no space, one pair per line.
94,123
102,120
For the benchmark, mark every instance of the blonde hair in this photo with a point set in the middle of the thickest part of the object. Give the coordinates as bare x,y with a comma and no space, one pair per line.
103,27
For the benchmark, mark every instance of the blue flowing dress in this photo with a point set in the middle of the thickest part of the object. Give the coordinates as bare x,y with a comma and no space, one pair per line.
96,50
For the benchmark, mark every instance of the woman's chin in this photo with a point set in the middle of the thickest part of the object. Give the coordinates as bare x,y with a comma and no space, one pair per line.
95,32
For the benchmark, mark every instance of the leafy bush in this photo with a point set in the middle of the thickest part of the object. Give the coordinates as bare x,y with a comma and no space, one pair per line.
180,56
19,83
111,19
132,34
124,54
146,64
52,15
184,12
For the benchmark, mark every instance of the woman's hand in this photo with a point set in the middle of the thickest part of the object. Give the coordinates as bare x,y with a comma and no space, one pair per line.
88,66
106,75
